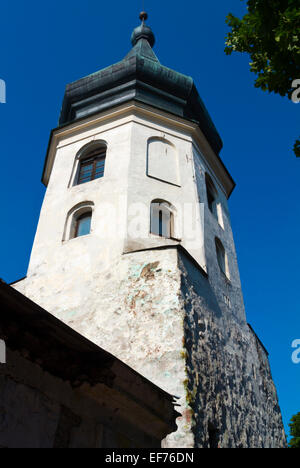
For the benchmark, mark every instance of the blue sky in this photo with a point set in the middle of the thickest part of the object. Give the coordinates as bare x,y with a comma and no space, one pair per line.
45,45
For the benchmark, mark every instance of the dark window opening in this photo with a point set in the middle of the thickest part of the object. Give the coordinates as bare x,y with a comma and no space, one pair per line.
222,257
211,194
211,201
161,219
160,228
213,437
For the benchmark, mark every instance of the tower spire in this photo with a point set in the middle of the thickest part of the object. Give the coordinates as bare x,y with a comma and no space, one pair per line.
143,31
143,16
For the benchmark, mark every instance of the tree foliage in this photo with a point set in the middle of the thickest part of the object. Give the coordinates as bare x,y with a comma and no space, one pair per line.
297,148
295,431
269,32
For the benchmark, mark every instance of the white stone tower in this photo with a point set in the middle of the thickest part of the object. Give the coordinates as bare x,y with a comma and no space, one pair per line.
134,248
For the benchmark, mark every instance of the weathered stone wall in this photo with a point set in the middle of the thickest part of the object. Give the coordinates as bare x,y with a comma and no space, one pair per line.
135,312
230,387
38,410
135,304
159,313
228,290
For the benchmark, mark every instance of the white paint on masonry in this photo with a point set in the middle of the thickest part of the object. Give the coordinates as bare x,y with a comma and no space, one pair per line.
123,197
98,284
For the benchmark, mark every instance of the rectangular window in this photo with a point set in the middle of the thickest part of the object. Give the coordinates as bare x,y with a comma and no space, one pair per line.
211,201
161,219
83,225
91,169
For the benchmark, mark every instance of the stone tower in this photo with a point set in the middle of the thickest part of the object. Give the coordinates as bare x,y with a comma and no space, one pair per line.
134,248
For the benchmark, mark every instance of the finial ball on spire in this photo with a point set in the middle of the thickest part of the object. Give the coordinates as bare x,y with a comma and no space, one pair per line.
143,32
143,16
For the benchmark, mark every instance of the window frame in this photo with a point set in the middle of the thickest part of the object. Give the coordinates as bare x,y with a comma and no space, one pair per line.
91,158
71,229
78,219
223,261
163,208
211,195
213,200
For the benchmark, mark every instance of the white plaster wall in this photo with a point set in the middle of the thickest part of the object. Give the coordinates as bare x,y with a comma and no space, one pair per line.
121,207
50,254
121,199
188,229
128,303
136,313
162,161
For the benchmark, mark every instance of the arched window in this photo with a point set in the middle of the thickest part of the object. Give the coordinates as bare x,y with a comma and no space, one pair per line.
162,161
213,201
222,257
91,163
79,220
161,219
83,224
211,194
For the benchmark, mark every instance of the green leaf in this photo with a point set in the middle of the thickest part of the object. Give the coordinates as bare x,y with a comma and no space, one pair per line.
297,148
270,33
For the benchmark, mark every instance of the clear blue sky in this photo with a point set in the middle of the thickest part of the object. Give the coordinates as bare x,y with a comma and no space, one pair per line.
45,45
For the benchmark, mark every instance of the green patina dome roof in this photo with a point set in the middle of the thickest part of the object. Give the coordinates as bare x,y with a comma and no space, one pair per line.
141,77
143,32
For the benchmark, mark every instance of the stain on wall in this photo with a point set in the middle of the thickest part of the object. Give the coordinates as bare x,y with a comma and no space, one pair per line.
230,386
